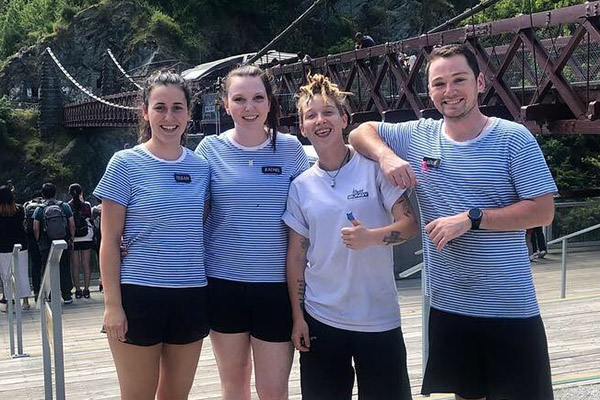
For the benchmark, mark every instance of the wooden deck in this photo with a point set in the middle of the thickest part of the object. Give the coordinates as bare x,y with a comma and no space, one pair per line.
572,326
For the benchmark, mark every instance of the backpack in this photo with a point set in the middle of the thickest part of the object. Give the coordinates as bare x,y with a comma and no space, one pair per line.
81,225
55,221
30,208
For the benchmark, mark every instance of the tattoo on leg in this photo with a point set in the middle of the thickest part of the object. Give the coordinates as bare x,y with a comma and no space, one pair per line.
395,237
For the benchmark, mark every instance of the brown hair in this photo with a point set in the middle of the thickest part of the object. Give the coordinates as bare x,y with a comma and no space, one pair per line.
451,50
164,78
8,206
320,84
253,71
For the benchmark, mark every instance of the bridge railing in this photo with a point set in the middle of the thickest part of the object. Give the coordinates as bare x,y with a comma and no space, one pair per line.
95,114
13,297
542,70
49,303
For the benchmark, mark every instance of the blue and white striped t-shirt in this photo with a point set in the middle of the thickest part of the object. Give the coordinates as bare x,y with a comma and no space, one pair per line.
246,240
164,203
482,273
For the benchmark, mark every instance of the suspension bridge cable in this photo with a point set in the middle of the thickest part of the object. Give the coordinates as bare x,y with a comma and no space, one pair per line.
121,69
462,16
285,32
80,86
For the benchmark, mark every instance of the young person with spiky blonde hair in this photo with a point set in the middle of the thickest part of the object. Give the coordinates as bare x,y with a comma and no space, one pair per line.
343,217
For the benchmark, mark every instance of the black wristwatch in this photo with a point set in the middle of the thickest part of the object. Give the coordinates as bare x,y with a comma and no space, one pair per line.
475,215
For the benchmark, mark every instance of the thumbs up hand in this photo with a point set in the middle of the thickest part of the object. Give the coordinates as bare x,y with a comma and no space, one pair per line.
357,237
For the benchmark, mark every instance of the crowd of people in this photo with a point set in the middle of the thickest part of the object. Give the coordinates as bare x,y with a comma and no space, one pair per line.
242,240
34,226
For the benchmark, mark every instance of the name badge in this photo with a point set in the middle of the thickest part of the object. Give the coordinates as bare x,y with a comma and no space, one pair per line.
271,170
182,178
432,162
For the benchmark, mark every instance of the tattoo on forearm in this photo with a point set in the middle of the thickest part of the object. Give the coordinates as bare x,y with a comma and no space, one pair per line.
301,291
406,207
395,237
305,243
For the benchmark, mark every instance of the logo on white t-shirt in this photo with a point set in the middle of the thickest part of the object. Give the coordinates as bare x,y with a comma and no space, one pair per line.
358,194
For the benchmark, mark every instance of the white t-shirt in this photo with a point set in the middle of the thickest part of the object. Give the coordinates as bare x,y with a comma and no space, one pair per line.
347,289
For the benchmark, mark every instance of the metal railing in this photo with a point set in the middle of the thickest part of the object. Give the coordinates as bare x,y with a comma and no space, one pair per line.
572,216
564,239
51,320
13,297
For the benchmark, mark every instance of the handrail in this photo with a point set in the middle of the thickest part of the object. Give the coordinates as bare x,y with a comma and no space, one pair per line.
572,235
51,321
564,239
13,297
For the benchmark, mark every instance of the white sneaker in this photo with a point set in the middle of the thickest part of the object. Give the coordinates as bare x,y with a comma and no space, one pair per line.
542,254
534,256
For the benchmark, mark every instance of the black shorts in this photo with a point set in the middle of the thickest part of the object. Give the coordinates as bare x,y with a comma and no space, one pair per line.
326,370
83,245
164,315
262,309
497,358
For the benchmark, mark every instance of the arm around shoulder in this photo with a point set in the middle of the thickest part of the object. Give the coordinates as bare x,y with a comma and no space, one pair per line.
367,141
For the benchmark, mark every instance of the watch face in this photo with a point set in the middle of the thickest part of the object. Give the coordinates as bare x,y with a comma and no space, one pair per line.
475,213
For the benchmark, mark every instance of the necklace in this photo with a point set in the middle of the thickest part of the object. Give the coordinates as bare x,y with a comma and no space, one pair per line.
344,161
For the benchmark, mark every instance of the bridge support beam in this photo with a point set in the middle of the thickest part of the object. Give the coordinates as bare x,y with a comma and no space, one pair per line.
51,99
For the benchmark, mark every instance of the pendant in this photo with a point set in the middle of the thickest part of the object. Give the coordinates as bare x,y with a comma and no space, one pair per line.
332,183
250,163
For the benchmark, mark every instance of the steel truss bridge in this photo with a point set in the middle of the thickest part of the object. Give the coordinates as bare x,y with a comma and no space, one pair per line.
542,70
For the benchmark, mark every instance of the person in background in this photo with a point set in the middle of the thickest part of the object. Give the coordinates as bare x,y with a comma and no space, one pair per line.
155,297
12,231
96,220
33,248
82,242
53,220
363,41
252,166
538,243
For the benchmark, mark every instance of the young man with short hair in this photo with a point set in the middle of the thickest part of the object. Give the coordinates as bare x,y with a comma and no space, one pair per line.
481,182
66,284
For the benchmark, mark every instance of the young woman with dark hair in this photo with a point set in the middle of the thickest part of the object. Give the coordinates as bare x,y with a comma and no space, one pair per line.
12,231
155,297
82,242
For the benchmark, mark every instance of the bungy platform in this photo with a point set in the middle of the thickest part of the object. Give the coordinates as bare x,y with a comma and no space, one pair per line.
572,326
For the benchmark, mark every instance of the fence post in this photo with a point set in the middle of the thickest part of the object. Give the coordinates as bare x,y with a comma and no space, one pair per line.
51,322
563,284
10,307
13,293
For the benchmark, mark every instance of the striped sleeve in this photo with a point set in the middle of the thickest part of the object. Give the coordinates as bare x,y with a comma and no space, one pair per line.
530,173
397,136
301,163
115,185
201,149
